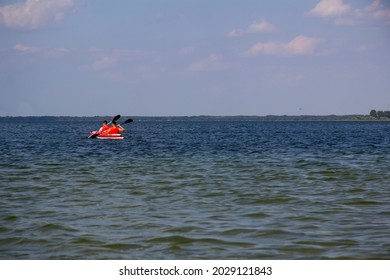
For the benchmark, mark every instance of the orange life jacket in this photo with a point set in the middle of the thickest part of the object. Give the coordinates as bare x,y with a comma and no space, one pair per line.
113,130
104,128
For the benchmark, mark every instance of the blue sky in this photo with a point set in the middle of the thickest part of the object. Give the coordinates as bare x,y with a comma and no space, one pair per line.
188,57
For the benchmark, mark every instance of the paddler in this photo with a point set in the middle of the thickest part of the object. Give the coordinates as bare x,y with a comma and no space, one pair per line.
104,127
114,129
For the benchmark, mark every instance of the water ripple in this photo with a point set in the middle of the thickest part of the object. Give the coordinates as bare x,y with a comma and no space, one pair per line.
196,190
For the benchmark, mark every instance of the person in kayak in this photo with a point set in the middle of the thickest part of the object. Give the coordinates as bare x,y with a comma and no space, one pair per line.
114,129
101,130
104,127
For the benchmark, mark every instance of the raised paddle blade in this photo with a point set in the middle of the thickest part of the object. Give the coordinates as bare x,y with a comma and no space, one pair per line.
117,117
128,121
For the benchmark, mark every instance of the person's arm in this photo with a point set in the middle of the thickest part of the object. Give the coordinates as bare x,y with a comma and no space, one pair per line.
120,128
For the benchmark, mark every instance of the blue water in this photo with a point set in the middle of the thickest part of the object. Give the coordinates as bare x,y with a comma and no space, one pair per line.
194,190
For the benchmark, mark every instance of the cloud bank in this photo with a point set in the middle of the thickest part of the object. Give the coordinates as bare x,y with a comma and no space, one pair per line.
26,49
345,15
330,8
51,53
300,45
33,14
212,63
375,10
255,27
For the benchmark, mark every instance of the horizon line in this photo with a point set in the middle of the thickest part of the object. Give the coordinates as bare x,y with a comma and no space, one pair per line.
185,116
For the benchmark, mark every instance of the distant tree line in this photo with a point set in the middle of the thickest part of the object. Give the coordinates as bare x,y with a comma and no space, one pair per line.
380,114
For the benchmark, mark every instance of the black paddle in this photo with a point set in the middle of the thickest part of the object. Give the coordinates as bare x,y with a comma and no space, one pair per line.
117,117
113,120
127,121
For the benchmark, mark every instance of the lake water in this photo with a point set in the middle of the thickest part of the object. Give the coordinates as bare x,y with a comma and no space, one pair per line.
194,190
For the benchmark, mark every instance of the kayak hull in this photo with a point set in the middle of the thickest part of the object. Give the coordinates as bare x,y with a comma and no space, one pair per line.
107,136
111,137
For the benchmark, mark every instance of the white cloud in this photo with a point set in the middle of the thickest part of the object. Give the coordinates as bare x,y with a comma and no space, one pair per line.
104,63
382,15
33,13
212,63
236,33
346,15
376,10
26,49
51,53
262,26
300,45
330,8
255,27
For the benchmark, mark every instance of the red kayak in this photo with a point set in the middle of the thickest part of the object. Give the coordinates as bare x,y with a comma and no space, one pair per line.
94,134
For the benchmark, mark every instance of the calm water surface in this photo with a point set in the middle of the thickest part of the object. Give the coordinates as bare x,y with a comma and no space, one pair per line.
194,190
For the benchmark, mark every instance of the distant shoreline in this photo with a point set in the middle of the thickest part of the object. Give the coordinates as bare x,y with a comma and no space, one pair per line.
286,118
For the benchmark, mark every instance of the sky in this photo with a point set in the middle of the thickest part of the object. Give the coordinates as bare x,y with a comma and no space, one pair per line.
191,57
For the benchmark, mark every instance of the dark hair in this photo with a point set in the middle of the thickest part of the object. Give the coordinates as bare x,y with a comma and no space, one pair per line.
105,121
113,122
